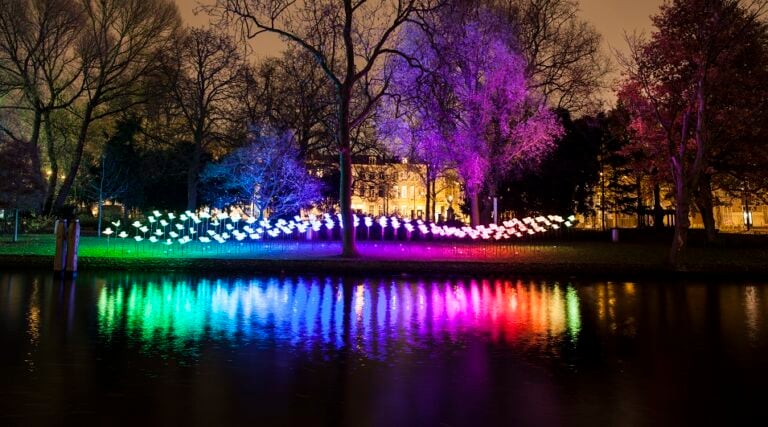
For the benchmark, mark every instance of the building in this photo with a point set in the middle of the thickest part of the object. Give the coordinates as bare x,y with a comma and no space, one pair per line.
391,187
732,214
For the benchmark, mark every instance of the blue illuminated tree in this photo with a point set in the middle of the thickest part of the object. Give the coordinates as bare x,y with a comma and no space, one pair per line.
266,175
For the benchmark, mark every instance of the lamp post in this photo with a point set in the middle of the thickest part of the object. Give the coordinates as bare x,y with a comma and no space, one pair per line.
16,225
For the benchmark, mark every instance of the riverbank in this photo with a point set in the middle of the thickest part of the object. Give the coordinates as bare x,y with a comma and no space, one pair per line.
592,259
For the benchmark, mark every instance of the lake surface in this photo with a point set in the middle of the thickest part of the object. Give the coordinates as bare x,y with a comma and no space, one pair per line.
126,348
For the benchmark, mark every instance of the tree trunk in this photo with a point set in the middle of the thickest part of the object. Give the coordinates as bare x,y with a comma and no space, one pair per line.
101,197
434,199
192,175
640,208
705,204
69,180
344,93
658,211
685,177
34,140
682,223
50,192
682,201
428,187
474,204
349,247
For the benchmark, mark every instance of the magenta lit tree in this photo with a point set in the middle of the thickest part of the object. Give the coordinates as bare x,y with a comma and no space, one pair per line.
461,100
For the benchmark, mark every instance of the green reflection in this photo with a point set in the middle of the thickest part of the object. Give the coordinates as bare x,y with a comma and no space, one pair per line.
573,313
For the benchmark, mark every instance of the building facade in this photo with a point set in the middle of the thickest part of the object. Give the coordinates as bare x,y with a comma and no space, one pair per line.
399,188
732,214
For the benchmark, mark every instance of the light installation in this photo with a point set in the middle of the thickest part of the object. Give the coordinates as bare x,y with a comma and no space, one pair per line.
219,227
375,318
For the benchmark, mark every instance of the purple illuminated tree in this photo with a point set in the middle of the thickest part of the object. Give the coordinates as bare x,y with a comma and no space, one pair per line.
461,100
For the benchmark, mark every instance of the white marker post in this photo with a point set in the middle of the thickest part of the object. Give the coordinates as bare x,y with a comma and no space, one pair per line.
59,259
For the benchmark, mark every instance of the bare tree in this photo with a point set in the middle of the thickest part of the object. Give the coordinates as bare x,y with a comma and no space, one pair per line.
293,94
120,49
565,61
349,40
205,76
40,70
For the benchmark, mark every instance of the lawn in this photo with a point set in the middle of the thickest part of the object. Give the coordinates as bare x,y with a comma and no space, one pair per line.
569,256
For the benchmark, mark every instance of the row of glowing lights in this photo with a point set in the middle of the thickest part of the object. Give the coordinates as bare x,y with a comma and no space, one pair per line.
219,226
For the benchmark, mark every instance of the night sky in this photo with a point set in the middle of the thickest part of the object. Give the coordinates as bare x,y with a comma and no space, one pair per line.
611,17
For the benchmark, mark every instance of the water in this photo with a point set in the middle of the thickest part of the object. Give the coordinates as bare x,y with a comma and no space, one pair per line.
128,348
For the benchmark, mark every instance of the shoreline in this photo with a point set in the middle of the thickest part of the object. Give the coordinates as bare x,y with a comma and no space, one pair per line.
588,259
336,265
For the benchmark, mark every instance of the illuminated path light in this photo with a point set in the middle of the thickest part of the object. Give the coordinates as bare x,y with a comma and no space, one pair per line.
307,313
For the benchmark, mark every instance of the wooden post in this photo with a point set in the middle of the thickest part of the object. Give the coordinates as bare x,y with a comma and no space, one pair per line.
73,243
59,259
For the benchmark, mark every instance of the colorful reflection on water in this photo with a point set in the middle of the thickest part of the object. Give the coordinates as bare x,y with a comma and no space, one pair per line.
199,350
372,317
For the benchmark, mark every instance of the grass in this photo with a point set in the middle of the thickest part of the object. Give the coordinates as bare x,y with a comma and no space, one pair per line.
586,257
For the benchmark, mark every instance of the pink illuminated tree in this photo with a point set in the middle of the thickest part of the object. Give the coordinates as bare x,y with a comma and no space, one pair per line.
690,88
461,99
